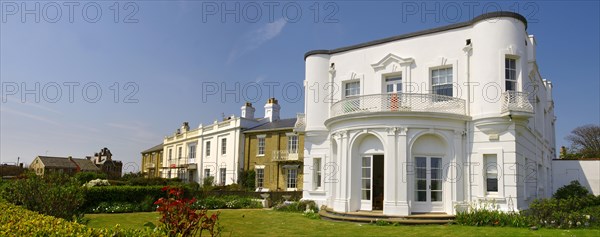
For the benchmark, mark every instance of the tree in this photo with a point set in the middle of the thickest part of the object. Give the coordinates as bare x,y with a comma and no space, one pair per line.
586,140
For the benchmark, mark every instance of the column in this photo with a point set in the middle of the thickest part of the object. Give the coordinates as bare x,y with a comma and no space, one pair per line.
402,166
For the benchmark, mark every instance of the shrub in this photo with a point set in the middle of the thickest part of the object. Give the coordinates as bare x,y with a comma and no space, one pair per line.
97,182
179,218
226,202
487,213
570,212
156,181
84,177
247,179
138,195
54,194
208,183
16,221
300,206
574,189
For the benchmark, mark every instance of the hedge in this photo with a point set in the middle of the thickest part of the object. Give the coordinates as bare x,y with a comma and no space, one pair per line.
17,221
123,194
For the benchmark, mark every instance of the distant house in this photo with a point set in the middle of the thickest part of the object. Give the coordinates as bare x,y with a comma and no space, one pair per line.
152,161
103,160
275,152
10,171
69,165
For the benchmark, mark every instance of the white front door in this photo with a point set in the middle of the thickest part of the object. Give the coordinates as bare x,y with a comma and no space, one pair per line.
428,185
366,188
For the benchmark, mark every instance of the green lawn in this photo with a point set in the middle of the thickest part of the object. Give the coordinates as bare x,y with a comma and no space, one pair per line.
256,222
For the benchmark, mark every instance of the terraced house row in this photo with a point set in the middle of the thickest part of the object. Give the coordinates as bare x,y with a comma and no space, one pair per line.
269,145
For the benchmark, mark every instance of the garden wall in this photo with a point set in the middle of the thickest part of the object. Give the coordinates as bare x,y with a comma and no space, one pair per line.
587,172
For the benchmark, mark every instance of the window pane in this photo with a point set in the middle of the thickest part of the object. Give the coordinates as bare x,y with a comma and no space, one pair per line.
436,196
492,185
421,184
436,185
421,196
366,195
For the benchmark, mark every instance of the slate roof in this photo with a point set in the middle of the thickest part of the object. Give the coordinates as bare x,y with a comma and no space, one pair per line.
490,15
57,162
86,165
275,125
64,162
158,147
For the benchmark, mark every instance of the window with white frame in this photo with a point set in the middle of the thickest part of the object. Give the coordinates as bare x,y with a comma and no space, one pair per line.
223,146
352,88
292,178
192,153
260,177
170,154
441,81
292,144
393,84
317,172
491,173
510,74
207,148
179,150
206,173
261,145
223,175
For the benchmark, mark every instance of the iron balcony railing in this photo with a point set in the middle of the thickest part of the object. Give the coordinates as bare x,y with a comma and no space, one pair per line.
285,155
399,102
516,101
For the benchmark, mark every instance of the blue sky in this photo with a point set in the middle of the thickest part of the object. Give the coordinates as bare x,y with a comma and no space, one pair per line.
163,56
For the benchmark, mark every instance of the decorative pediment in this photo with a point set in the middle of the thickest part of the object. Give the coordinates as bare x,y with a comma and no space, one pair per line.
391,58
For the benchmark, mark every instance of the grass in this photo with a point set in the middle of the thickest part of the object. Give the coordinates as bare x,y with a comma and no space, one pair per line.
257,222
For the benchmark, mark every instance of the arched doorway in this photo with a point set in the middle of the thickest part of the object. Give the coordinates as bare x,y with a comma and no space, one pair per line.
428,155
368,173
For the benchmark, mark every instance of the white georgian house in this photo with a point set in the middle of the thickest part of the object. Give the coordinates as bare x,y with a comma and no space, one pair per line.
430,121
212,150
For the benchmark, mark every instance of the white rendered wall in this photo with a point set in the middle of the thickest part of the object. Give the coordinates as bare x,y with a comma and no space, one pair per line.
587,172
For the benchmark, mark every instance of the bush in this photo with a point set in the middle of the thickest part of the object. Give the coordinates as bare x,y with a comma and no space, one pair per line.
300,206
570,212
84,177
226,202
16,221
179,218
208,183
571,190
157,181
54,194
486,213
140,196
247,179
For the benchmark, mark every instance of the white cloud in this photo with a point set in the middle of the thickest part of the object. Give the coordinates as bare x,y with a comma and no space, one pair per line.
254,39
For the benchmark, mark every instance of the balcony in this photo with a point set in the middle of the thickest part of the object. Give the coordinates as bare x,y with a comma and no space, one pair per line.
514,101
285,155
150,165
405,102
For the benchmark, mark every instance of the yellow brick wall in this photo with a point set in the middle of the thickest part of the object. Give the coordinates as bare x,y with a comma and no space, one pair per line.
275,176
